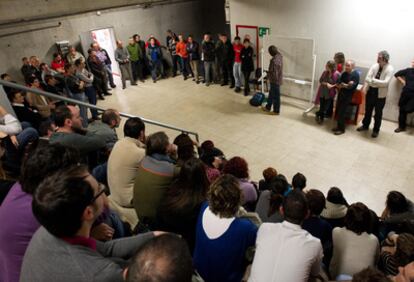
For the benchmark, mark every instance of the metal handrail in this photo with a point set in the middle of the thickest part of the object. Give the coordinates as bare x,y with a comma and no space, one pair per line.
76,102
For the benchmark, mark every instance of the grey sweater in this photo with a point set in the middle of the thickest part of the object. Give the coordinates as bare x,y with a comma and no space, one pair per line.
84,143
51,259
121,55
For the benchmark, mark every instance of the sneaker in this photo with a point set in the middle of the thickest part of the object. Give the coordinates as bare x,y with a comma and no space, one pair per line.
399,129
113,86
362,128
237,90
107,94
374,134
339,132
265,109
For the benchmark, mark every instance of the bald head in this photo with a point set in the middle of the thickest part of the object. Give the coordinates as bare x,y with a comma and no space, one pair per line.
349,66
165,258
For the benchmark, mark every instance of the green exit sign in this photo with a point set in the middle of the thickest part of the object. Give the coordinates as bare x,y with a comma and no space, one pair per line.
263,31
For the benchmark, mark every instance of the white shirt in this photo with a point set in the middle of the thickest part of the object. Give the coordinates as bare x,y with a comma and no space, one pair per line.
384,80
10,125
285,253
213,225
352,252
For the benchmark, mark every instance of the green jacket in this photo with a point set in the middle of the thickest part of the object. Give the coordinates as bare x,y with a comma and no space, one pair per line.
135,52
152,181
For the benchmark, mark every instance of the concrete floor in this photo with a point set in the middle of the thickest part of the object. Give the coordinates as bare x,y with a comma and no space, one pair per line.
365,169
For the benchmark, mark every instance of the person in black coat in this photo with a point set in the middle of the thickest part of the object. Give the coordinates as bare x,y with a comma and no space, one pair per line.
247,64
100,79
23,112
406,102
225,58
209,56
193,49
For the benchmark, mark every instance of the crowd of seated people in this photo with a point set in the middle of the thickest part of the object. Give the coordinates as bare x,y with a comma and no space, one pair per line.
83,204
80,203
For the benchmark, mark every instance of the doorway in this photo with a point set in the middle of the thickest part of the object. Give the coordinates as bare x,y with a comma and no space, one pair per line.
105,37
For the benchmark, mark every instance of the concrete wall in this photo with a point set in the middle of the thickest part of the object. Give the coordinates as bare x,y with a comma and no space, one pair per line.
358,28
193,17
26,9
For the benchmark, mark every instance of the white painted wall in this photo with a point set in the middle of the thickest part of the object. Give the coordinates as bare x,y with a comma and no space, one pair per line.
358,28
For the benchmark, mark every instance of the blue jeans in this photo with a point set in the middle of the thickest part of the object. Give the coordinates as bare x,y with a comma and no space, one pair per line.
100,173
175,63
90,93
237,74
156,67
184,66
27,135
83,110
209,71
274,98
110,75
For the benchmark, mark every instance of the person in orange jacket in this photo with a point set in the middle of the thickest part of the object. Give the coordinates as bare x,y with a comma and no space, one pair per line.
181,49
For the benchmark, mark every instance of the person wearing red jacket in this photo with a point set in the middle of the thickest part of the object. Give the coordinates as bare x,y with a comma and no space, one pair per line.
237,47
58,64
181,50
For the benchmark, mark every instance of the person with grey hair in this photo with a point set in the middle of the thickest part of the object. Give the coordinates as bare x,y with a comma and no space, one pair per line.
275,77
347,84
376,89
72,56
122,57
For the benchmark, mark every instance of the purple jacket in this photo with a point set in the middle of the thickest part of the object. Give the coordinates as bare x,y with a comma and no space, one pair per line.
249,191
333,79
18,225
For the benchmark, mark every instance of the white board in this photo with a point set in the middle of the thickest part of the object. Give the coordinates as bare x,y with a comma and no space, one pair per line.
297,55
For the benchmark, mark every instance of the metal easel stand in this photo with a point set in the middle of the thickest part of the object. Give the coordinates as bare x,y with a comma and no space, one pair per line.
312,93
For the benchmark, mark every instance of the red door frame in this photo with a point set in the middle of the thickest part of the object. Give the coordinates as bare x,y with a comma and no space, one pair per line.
257,39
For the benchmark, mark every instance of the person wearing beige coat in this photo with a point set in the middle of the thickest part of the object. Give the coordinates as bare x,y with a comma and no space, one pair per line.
42,104
123,164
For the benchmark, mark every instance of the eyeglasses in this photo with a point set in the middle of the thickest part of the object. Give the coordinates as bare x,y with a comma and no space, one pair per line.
102,189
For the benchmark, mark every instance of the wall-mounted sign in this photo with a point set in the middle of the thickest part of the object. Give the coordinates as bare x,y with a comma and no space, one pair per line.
263,31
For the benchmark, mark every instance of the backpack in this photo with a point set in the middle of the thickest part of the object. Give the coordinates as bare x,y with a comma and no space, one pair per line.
257,100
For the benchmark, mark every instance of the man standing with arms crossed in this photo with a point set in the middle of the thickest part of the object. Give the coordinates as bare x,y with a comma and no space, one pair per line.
347,84
376,89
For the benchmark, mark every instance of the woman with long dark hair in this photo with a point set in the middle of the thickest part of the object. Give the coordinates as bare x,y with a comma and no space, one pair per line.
271,200
180,208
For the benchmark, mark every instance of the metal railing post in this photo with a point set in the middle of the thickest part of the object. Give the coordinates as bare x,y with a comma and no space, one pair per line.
76,102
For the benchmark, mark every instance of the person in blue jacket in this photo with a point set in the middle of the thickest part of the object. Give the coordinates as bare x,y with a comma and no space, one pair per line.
155,59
